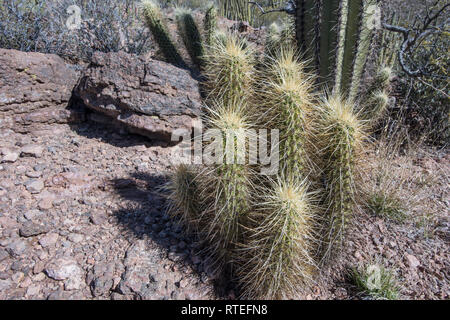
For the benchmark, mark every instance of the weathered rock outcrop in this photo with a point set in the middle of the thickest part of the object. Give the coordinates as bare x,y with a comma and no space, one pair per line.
35,89
148,97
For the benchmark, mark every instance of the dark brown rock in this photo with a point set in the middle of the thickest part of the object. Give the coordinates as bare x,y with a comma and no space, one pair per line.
3,255
30,229
35,89
147,97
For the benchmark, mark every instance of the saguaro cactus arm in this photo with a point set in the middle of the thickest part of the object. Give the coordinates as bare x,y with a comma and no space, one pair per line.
328,37
366,28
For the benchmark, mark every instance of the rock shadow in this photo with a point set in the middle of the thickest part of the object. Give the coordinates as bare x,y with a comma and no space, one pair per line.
112,134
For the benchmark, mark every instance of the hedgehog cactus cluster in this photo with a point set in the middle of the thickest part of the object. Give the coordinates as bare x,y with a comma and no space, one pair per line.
266,233
261,229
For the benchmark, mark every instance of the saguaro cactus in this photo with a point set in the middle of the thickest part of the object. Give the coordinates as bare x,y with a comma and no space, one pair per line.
336,35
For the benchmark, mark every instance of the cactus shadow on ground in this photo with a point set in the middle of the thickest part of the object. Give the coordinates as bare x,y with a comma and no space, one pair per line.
147,218
143,215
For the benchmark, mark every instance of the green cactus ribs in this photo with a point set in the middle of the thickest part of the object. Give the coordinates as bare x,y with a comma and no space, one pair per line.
335,35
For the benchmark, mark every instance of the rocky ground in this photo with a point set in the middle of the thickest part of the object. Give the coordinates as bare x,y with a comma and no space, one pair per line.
81,218
416,250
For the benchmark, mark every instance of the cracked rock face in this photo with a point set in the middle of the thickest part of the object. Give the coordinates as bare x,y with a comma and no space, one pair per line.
143,96
35,90
147,97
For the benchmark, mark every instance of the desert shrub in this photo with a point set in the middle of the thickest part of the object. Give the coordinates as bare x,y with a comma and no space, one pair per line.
422,103
424,107
387,205
40,26
377,282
